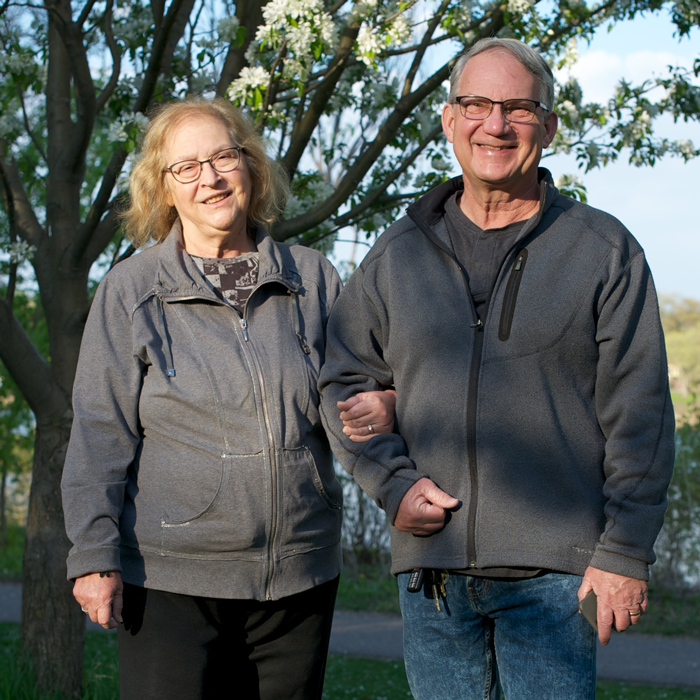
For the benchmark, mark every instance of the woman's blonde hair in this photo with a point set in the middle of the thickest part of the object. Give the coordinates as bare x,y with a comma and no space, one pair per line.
150,216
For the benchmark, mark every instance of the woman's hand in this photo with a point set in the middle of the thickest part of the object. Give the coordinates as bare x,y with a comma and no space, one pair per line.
368,413
100,597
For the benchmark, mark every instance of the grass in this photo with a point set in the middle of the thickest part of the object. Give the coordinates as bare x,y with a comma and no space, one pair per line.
671,614
372,590
346,678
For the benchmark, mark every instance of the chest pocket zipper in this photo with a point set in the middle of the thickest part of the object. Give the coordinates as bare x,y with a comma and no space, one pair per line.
511,295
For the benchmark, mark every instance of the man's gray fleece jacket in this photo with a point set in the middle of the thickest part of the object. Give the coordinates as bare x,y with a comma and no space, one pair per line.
197,463
552,423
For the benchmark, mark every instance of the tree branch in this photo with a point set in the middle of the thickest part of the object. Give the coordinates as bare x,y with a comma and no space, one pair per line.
27,126
106,228
378,192
354,175
595,17
299,138
167,38
24,219
423,47
116,54
74,138
365,160
27,367
86,12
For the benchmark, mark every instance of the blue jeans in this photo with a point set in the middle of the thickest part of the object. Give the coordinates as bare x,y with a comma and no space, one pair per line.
527,632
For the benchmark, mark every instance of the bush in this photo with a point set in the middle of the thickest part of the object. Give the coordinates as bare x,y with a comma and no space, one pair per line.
678,546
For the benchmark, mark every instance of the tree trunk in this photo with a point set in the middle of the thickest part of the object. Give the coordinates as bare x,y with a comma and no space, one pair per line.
53,626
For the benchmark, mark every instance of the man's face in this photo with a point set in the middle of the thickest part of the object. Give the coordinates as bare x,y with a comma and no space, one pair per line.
496,155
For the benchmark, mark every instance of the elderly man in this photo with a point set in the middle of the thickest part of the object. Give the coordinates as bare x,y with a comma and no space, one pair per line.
535,427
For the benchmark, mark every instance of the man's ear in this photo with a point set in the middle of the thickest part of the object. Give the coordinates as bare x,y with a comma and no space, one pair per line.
448,121
550,128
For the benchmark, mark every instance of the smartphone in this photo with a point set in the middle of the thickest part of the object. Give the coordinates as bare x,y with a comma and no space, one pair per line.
588,607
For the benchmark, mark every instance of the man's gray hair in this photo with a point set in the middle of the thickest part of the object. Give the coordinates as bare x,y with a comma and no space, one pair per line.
528,57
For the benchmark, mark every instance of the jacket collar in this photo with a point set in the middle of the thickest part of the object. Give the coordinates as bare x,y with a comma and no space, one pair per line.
178,276
429,211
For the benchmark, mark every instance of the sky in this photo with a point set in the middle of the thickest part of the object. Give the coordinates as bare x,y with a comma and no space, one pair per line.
656,204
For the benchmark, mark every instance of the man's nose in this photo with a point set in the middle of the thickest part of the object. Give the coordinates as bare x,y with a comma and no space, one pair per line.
496,122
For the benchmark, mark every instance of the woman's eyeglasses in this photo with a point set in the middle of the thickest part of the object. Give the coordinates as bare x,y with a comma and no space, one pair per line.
186,171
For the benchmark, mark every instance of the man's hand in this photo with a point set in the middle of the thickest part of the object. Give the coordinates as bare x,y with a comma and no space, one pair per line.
368,413
100,597
422,509
621,600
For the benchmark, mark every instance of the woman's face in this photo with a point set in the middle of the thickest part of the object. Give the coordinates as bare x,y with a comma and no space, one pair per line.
215,206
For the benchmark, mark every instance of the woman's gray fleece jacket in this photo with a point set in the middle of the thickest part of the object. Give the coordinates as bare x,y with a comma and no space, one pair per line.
552,423
197,463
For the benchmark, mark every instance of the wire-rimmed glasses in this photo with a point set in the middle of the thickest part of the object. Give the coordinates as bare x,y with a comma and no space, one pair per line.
519,111
186,171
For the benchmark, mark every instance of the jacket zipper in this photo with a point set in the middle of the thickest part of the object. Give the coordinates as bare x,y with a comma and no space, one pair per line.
511,295
472,394
274,465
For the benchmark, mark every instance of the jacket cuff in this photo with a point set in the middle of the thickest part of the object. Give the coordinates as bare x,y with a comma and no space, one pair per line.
619,564
91,561
400,482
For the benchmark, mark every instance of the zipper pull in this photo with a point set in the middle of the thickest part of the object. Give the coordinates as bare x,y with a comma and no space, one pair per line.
478,325
304,347
244,326
518,263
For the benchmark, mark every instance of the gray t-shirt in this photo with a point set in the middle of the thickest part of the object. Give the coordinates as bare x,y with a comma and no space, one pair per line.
480,252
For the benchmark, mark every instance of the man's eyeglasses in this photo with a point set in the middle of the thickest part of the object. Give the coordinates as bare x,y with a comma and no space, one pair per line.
186,171
517,111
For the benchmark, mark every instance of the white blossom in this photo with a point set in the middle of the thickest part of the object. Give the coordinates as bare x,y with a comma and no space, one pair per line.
440,164
227,29
9,124
368,45
247,82
122,128
20,251
399,31
363,9
568,109
571,55
593,153
302,24
519,7
686,148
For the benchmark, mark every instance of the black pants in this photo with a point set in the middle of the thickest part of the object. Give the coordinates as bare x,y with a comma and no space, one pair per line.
178,647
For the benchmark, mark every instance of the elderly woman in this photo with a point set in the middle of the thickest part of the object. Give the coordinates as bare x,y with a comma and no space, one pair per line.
199,490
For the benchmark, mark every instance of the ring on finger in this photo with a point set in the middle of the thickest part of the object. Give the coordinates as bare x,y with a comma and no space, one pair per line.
84,610
371,429
636,614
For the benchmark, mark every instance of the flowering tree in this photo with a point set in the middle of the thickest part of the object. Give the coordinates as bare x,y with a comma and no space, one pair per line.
348,94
